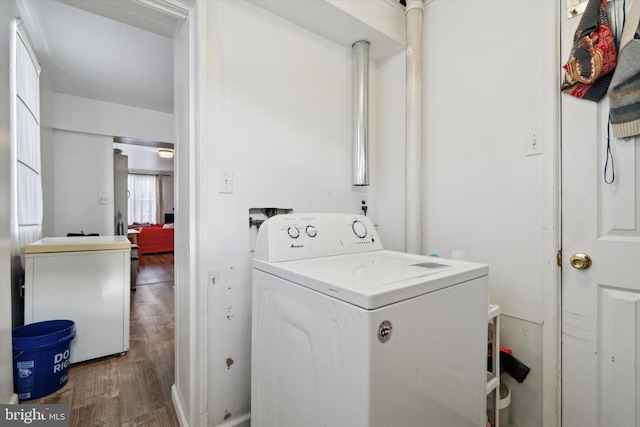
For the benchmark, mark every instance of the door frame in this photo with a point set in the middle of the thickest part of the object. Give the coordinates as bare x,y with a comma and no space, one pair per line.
551,271
551,278
189,394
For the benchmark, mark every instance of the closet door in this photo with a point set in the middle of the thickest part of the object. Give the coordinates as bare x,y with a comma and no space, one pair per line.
600,268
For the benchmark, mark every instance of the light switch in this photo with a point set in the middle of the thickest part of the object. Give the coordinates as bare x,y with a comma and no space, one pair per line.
226,182
533,143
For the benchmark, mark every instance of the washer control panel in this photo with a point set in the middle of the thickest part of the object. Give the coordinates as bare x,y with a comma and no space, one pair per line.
299,236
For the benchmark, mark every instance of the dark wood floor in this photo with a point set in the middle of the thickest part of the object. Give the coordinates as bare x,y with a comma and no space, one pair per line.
155,268
133,389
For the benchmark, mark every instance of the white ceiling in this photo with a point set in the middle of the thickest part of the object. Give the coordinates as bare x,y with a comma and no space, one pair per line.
143,158
89,55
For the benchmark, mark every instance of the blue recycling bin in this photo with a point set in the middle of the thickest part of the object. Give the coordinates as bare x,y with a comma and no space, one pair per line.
41,357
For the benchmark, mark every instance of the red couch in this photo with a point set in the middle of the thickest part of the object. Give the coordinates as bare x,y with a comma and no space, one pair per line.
155,239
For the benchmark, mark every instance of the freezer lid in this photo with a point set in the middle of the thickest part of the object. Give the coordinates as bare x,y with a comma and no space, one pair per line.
77,244
374,279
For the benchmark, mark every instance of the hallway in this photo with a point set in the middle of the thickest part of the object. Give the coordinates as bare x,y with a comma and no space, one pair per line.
133,389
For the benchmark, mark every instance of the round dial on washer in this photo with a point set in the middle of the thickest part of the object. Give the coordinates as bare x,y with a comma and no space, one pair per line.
311,231
293,232
359,229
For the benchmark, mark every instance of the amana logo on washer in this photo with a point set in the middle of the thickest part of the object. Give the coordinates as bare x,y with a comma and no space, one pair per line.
384,331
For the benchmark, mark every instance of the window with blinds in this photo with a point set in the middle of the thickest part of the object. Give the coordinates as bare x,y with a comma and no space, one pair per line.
26,180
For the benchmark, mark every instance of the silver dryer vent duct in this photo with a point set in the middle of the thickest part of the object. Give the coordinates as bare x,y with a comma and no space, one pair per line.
361,113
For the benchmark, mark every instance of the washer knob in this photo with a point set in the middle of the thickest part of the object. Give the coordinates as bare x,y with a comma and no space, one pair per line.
359,229
311,231
293,232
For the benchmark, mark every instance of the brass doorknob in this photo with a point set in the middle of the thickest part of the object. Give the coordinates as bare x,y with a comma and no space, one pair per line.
580,261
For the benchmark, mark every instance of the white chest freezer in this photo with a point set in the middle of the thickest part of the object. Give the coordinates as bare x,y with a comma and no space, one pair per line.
84,279
347,334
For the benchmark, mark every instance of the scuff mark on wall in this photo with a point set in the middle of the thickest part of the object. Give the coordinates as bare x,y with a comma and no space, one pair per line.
229,362
227,415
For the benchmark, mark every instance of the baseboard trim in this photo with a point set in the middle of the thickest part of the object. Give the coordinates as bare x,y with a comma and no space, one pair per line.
237,421
179,407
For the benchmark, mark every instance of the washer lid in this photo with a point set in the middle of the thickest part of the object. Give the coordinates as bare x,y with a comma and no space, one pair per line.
375,279
77,244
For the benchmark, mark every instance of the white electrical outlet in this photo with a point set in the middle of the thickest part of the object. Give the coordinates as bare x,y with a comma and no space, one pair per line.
103,200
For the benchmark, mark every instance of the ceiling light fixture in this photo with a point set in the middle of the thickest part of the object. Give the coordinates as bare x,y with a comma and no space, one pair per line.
165,154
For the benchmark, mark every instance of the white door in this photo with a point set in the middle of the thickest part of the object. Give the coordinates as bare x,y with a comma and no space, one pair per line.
600,304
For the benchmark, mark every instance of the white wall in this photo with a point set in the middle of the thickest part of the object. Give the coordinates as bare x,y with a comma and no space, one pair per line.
168,193
278,115
47,154
106,118
482,194
78,132
83,174
491,77
390,155
8,10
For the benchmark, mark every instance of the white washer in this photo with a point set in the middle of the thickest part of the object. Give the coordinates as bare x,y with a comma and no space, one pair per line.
346,334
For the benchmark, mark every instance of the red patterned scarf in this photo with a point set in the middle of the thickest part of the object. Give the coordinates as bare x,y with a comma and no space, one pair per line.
593,56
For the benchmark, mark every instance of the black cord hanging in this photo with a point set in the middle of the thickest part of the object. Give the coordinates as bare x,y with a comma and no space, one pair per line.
609,157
